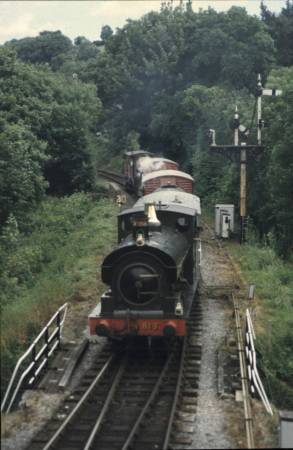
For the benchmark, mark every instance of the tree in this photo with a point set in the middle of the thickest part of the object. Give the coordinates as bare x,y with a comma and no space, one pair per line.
106,32
70,167
280,134
60,111
22,184
149,61
7,62
280,28
85,49
43,48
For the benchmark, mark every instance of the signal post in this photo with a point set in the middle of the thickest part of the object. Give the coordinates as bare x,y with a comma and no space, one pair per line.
242,149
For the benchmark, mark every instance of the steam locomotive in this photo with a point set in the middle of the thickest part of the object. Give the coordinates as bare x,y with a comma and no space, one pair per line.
154,271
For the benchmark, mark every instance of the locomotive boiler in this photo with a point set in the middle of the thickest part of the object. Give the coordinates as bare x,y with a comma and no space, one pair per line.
153,273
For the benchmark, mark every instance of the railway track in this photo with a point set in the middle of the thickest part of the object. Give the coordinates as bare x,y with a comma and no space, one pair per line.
140,397
231,293
112,176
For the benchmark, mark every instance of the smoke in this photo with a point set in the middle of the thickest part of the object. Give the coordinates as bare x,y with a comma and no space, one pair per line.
148,164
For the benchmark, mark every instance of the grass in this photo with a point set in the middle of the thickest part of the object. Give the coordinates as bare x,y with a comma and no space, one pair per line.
53,262
273,307
274,287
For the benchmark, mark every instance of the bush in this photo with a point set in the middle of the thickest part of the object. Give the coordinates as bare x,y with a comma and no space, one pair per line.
281,393
53,262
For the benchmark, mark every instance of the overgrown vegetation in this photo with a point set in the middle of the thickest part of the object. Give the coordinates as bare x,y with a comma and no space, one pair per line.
55,262
274,286
48,141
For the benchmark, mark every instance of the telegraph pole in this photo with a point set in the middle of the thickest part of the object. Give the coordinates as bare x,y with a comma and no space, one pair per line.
241,149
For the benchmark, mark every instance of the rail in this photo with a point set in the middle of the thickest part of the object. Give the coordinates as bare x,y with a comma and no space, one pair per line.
78,406
149,402
242,359
38,357
138,378
176,396
244,377
253,375
113,176
119,367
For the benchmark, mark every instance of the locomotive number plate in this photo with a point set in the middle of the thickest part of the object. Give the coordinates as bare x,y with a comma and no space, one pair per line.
150,326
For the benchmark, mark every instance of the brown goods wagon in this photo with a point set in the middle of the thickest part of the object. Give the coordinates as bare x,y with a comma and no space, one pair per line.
169,165
153,181
148,164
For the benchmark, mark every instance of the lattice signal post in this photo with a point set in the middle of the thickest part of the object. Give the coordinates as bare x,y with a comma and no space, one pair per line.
242,148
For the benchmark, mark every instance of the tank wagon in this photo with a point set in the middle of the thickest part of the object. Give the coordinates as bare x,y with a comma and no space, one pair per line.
139,163
153,273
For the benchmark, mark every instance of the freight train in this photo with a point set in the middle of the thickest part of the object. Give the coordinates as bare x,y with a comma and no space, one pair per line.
144,172
153,273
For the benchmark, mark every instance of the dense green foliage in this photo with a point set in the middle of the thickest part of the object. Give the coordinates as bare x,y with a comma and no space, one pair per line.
280,28
48,47
21,179
148,62
55,263
47,123
279,175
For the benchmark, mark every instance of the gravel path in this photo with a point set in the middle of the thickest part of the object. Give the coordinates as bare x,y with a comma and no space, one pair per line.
211,424
210,420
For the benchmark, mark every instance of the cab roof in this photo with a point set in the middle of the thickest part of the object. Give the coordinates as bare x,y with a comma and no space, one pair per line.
171,199
171,196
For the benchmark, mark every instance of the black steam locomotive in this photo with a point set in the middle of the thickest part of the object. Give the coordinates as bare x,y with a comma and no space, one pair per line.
153,273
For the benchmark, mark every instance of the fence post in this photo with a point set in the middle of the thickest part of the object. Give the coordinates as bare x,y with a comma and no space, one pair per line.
33,354
46,337
59,329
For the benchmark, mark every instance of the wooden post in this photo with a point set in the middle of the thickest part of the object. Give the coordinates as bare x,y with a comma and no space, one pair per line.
258,116
236,124
243,149
242,195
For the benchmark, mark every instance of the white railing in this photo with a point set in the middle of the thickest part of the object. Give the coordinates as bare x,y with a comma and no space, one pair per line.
253,375
49,340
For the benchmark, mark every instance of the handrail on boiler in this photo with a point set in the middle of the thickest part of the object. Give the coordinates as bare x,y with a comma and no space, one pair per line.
38,360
